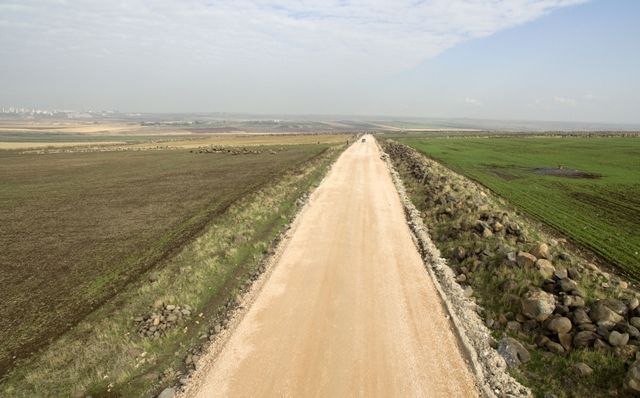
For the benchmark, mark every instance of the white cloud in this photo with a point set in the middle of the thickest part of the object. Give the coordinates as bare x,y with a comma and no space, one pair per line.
356,37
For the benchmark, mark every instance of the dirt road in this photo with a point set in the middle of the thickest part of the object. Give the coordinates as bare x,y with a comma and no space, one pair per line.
349,309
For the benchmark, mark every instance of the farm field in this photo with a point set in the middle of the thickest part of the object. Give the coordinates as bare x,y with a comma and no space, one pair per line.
587,188
78,227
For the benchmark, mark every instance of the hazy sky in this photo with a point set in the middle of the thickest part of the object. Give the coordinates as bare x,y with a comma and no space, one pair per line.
519,59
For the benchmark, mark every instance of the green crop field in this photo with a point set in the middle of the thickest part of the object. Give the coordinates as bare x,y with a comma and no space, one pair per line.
587,188
78,227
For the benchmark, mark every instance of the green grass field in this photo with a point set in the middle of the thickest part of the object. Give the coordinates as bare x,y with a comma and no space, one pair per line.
78,227
595,199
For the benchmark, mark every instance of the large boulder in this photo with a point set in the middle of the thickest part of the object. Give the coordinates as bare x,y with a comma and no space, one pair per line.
618,339
580,316
615,305
567,285
559,325
541,251
602,315
545,268
538,305
513,352
583,369
525,259
584,339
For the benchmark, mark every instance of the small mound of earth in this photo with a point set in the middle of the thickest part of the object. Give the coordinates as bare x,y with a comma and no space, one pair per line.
564,172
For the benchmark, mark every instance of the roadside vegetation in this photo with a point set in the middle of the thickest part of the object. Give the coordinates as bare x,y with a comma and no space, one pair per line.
586,188
565,327
96,246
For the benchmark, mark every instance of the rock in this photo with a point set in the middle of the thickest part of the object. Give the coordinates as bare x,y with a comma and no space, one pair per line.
525,259
566,340
513,352
497,226
633,303
460,253
626,328
169,392
615,305
541,251
567,285
632,379
587,326
538,305
600,345
468,291
603,331
461,278
618,339
591,266
554,347
511,258
487,233
583,369
545,268
559,325
635,322
573,273
580,316
561,273
584,339
541,340
603,315
573,301
513,326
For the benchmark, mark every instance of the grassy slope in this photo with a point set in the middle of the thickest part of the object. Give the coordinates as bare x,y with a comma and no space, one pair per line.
76,228
545,372
602,214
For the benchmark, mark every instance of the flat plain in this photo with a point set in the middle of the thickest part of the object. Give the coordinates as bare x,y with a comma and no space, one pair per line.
586,188
78,227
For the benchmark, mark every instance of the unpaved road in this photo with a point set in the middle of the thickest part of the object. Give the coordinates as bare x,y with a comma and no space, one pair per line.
349,309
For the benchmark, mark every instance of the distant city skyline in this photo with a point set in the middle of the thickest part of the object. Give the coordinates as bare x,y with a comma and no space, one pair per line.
548,60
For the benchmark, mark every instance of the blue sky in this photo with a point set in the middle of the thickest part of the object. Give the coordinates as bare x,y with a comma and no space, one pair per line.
573,60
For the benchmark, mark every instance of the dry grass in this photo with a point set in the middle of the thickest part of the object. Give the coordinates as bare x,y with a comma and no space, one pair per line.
259,139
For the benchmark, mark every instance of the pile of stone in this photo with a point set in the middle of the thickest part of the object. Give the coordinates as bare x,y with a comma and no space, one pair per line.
229,150
161,320
551,308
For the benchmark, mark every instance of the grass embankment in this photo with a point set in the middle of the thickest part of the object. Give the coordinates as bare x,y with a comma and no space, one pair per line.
453,208
79,229
594,199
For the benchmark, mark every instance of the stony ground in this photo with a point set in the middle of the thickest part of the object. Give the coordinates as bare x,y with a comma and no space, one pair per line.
564,326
